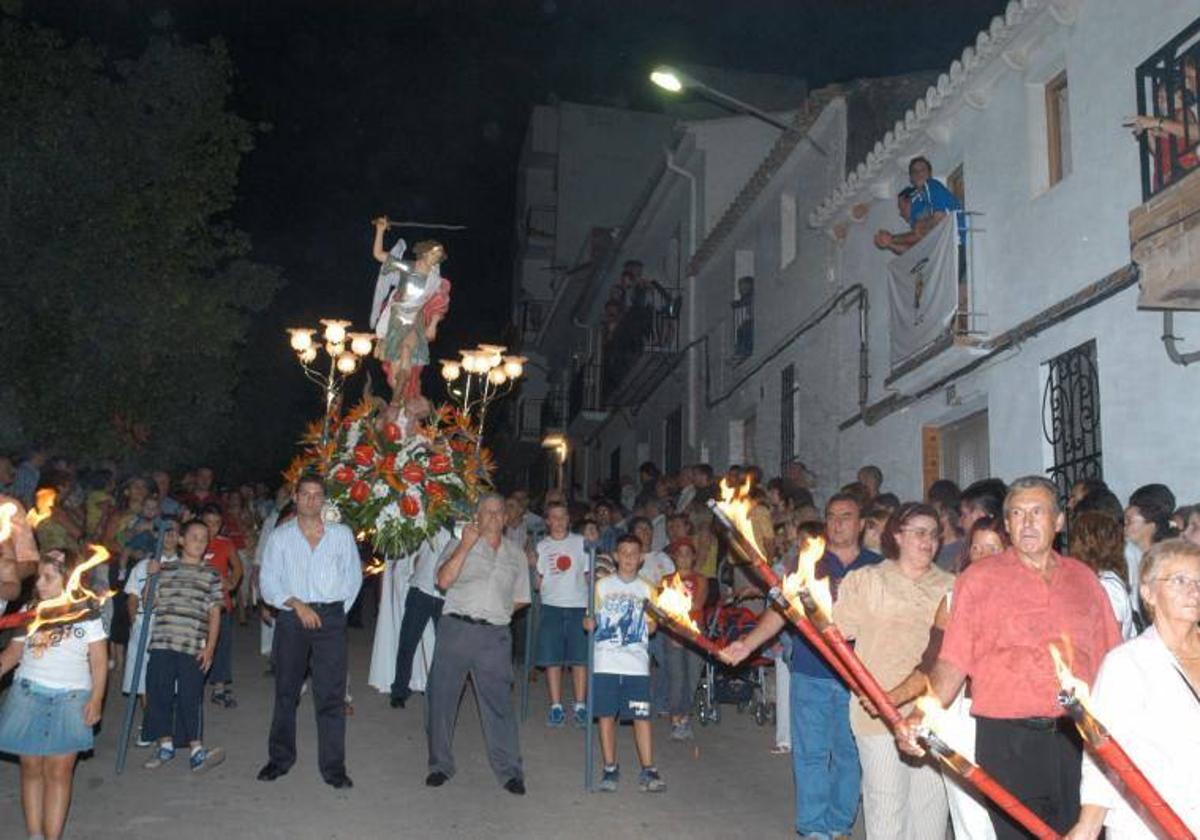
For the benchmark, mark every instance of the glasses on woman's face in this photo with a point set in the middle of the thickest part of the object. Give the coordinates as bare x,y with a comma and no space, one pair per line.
1180,583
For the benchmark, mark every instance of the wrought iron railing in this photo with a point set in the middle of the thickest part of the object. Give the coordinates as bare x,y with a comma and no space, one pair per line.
642,329
584,393
532,314
1168,91
742,328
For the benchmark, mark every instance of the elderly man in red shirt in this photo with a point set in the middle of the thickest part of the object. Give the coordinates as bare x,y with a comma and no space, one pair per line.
1006,611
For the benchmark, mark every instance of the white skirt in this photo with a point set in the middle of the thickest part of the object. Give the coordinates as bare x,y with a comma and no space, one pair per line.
393,590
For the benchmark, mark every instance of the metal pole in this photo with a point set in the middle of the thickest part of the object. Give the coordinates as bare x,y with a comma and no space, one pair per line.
589,770
531,622
139,657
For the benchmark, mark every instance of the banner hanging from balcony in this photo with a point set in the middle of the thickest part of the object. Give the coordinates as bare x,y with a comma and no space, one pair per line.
923,292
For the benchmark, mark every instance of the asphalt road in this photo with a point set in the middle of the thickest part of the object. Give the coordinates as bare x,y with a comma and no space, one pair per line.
724,784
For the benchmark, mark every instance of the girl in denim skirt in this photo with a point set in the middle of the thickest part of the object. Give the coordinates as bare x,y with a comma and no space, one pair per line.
46,718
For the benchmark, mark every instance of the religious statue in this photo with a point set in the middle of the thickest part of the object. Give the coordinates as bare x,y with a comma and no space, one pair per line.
411,299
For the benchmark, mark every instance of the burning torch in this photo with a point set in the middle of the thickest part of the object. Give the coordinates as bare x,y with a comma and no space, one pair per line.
672,603
1141,794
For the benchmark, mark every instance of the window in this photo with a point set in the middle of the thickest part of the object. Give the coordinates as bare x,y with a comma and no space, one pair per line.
1058,128
957,450
743,319
743,266
1071,416
787,229
1167,91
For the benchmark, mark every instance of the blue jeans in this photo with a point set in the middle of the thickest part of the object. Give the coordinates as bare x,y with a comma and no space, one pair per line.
824,756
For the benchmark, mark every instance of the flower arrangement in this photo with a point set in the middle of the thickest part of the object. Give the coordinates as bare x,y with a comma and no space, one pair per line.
394,489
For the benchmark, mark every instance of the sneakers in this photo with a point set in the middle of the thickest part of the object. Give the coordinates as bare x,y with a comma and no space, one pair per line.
650,782
205,759
681,731
580,715
556,716
224,697
143,740
612,775
161,757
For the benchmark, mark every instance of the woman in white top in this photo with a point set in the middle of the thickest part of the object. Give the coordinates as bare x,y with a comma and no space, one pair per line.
55,700
1099,541
1148,695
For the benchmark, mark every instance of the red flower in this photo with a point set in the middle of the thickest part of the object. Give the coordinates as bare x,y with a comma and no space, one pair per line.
412,473
439,464
435,491
343,474
392,432
360,491
459,445
364,454
409,506
389,463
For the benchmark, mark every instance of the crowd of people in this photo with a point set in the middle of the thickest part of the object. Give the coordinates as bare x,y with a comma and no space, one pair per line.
959,593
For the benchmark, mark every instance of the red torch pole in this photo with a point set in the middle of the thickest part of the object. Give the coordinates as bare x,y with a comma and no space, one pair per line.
17,619
705,644
987,786
1146,800
775,594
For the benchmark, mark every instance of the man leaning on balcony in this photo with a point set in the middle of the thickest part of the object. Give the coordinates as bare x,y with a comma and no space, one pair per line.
924,203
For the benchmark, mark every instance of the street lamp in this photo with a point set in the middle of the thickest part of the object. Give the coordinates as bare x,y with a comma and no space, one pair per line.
675,81
482,375
343,360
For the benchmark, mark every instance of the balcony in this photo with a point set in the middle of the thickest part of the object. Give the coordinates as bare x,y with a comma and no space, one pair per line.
1163,234
585,408
640,352
532,315
539,416
741,337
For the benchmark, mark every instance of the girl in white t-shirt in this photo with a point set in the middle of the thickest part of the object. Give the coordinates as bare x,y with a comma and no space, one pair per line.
57,693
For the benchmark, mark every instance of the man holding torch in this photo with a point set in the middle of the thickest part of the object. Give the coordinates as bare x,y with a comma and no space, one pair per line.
18,551
824,755
1007,610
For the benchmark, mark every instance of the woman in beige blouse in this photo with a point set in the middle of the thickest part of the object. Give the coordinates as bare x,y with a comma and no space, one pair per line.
888,609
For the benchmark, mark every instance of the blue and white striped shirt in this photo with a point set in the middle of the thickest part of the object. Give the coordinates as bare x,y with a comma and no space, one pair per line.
291,568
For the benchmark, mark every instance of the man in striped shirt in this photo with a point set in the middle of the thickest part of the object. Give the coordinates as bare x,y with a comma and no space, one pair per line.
311,574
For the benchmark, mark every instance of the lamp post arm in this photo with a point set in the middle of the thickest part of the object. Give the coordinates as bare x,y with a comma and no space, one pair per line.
747,108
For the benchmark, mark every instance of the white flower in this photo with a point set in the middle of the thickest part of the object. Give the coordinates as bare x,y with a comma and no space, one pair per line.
330,512
354,435
380,490
389,513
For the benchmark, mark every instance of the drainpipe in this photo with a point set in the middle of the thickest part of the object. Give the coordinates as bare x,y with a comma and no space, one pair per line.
1169,340
690,281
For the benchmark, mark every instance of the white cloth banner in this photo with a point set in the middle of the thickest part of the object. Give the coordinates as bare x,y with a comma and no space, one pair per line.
923,291
393,590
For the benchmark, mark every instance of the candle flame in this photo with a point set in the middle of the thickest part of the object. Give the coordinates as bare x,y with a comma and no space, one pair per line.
674,601
376,566
43,506
7,511
736,504
1070,683
65,607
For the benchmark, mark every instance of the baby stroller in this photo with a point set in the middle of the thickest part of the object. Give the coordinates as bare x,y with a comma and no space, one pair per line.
743,686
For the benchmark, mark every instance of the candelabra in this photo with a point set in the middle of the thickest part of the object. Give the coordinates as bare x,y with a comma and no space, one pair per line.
345,351
479,378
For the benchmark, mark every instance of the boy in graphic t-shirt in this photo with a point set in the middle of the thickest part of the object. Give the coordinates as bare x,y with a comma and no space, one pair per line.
562,570
622,630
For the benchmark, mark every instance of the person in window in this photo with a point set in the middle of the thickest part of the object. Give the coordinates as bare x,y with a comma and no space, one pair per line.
743,318
1172,133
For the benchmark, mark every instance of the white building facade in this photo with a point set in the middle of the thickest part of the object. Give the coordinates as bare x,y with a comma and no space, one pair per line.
1046,364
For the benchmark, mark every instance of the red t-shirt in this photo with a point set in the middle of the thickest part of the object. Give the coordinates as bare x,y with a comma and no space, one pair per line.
1003,618
220,550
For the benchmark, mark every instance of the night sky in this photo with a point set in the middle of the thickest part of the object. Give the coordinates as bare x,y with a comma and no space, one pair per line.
417,109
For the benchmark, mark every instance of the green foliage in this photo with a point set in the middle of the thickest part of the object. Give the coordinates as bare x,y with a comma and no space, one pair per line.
125,290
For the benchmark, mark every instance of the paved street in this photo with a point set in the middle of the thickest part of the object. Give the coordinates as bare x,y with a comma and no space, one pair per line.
725,784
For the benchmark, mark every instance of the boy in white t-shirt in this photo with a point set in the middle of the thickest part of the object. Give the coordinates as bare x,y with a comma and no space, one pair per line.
621,684
562,570
656,565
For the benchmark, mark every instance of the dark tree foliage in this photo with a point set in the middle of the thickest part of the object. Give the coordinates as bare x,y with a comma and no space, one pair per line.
126,293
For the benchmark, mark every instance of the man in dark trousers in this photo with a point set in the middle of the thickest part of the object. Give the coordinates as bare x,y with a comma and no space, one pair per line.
311,574
486,579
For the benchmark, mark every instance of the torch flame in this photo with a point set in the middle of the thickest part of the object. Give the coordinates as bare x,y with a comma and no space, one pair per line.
736,504
7,511
1070,683
805,576
675,602
43,507
62,608
933,713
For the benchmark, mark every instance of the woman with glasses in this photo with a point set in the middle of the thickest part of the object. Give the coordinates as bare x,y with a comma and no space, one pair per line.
1148,695
888,609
